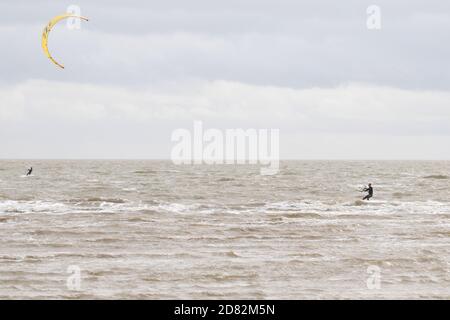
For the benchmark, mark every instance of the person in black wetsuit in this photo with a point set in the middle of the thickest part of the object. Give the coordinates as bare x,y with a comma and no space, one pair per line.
30,171
369,189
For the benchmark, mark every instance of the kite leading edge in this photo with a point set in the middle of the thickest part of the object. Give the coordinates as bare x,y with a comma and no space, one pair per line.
47,30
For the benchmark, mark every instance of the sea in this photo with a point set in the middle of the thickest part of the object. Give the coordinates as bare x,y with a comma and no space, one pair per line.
148,229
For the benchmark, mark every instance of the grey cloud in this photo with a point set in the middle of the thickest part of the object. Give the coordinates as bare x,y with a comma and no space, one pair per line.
285,43
134,72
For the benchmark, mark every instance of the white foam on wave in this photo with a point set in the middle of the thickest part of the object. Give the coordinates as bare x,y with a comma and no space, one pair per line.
359,206
14,207
18,207
129,189
183,208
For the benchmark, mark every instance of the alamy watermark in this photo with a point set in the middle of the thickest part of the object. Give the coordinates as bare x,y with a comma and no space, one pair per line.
373,282
74,23
73,282
230,146
373,17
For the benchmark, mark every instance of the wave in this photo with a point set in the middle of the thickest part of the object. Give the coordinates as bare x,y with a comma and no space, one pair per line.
225,179
400,195
230,254
145,172
45,257
301,215
19,207
5,219
107,200
359,203
225,277
437,177
285,210
129,189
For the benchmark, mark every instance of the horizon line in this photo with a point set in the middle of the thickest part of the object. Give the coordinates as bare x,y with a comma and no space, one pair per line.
165,159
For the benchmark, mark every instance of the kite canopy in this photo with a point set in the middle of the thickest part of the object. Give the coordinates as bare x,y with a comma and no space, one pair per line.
47,30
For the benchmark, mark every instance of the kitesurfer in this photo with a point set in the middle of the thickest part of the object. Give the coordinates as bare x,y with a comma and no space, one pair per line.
369,191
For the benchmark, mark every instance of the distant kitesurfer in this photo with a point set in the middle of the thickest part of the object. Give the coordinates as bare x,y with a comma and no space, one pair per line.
369,189
30,171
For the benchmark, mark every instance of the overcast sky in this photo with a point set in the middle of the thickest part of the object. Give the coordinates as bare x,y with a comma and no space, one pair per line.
140,69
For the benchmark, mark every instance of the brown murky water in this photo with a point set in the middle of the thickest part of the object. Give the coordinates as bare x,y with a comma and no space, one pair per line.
153,230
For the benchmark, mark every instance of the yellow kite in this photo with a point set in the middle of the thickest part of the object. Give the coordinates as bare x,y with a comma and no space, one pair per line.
47,30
